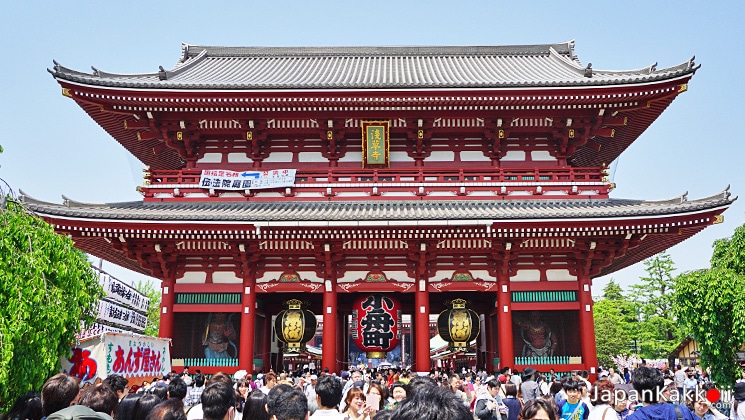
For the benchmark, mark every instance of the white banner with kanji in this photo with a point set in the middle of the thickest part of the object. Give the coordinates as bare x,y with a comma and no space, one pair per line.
117,314
219,179
121,292
128,355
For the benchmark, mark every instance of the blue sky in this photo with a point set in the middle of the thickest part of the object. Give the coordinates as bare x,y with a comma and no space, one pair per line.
53,148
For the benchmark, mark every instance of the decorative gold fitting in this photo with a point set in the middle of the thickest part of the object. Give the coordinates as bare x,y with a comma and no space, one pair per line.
376,354
249,135
571,133
459,303
66,92
682,87
500,133
719,218
420,134
179,136
329,135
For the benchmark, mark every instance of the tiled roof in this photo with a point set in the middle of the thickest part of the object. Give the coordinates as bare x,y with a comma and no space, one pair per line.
234,68
378,213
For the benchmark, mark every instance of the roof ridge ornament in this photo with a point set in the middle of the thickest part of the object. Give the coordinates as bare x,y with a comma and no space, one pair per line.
588,70
162,73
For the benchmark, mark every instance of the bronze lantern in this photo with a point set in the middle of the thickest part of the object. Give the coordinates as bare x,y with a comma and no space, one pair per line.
295,325
458,325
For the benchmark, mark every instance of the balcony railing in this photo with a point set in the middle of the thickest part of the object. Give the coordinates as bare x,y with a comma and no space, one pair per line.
414,183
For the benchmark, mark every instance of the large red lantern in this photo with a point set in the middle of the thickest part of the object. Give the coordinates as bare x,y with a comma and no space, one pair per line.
376,324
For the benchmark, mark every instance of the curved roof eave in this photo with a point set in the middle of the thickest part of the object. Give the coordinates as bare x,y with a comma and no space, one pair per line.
380,213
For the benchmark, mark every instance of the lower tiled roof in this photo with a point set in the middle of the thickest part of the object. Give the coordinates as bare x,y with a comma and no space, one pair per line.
381,211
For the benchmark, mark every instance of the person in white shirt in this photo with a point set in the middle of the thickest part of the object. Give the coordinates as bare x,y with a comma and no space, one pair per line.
328,395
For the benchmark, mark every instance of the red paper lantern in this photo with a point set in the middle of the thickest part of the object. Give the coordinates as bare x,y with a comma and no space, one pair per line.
376,324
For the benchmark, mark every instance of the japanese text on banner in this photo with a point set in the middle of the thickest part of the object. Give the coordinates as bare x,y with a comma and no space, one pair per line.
247,180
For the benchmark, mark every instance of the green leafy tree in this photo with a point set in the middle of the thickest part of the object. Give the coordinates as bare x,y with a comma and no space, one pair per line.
611,332
614,323
657,332
153,310
46,289
613,291
711,306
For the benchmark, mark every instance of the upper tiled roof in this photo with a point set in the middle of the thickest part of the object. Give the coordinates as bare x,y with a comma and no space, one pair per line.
234,68
376,212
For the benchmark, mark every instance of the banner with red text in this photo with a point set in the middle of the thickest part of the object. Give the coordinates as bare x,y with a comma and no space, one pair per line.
128,355
219,179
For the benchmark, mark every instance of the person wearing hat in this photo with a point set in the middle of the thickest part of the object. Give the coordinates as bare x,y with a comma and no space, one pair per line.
529,387
310,394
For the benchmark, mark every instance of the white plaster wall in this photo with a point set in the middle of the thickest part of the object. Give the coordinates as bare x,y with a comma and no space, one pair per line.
441,156
541,155
514,155
473,156
401,157
279,157
526,275
225,277
211,158
312,157
239,158
559,275
193,277
352,157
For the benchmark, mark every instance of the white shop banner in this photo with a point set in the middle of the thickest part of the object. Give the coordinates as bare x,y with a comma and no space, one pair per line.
97,329
117,314
122,292
128,355
247,180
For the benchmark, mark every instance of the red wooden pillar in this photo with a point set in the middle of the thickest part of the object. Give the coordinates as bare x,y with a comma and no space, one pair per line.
248,323
587,325
166,307
328,350
504,322
421,329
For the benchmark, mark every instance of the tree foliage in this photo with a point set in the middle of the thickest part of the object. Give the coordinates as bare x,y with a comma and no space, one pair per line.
657,332
612,333
153,310
46,289
615,321
711,306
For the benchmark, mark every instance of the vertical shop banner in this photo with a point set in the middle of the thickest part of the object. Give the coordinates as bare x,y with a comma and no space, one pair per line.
375,143
121,292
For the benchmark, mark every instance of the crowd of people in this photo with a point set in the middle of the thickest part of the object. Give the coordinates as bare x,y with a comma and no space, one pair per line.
386,394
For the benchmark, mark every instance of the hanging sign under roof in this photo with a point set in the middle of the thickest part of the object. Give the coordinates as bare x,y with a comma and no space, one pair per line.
375,144
219,179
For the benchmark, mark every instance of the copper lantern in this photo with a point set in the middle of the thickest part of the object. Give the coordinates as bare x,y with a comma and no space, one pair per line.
295,325
458,325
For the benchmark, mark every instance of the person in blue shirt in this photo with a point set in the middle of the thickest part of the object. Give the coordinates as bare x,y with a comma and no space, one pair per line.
649,384
572,408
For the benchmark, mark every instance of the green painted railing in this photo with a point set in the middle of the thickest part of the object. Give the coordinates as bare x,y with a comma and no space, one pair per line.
550,360
208,298
210,362
545,296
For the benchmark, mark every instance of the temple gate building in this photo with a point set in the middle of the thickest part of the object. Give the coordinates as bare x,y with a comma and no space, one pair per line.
421,173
